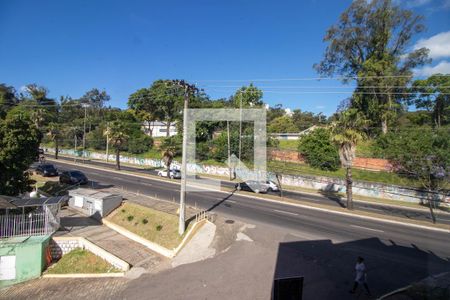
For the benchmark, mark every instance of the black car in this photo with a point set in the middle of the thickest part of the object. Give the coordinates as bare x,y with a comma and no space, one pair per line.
47,170
252,186
73,177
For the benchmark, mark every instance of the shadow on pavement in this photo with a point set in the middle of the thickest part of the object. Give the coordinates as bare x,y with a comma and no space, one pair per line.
328,268
333,196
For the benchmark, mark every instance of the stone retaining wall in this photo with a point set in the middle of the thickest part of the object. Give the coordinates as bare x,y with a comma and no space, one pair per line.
62,245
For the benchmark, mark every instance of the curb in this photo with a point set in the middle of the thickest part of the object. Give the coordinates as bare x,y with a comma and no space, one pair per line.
151,245
286,203
84,275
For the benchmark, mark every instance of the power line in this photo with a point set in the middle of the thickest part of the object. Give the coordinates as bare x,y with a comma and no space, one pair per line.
310,78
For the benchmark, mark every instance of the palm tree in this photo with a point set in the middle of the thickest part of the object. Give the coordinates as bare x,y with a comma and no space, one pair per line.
347,132
54,132
118,134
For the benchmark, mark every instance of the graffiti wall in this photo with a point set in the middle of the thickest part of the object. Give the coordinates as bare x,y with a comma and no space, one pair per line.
329,184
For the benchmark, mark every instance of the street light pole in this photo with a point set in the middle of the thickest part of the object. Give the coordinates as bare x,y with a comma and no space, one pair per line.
84,129
181,224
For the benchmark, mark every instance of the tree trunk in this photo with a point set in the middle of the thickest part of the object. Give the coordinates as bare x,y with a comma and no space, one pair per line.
349,182
279,176
430,205
117,158
384,126
168,168
56,148
168,129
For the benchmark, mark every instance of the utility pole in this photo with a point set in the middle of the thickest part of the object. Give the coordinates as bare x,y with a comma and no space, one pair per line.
188,89
229,149
85,105
107,142
240,133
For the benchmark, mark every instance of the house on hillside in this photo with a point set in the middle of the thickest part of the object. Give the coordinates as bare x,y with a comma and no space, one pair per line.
159,129
293,135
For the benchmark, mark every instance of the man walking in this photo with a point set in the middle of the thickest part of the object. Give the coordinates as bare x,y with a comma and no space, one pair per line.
361,276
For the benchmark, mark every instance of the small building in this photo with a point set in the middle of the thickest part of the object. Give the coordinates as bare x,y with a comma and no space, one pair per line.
293,135
159,129
94,203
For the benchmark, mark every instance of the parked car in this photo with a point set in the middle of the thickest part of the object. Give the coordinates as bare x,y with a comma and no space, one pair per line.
273,187
253,186
174,174
73,177
47,170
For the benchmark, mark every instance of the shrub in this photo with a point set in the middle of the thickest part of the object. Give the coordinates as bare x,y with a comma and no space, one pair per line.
130,218
144,221
319,151
122,210
158,227
140,143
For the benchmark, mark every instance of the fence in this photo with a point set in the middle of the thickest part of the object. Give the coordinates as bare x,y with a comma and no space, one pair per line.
32,224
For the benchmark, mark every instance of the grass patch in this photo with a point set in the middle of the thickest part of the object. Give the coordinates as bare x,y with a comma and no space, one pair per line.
81,261
288,145
156,226
290,168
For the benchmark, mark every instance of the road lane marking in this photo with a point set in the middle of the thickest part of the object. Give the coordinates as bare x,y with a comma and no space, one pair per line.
366,228
231,201
285,212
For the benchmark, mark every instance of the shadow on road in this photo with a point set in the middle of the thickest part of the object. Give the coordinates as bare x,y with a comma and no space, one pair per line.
328,268
333,196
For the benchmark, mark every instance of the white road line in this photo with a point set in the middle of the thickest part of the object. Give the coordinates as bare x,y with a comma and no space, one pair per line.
118,178
285,212
93,173
366,228
231,201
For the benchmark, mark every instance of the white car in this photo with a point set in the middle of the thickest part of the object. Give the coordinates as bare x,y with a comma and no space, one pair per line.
272,186
174,174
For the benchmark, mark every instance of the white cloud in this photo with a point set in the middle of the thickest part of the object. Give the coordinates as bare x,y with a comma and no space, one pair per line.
446,4
438,44
443,67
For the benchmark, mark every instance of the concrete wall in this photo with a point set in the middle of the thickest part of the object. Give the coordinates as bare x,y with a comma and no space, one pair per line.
62,245
30,257
376,190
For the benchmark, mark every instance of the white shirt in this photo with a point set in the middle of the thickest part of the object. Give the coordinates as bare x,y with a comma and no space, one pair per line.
360,271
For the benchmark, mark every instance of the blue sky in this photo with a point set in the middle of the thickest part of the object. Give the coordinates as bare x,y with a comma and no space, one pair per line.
121,46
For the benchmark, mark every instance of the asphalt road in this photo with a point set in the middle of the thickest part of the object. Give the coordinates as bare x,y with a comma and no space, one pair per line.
317,224
326,198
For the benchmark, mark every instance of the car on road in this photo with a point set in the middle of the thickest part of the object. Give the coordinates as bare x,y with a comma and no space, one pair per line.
73,177
272,186
253,186
47,170
174,174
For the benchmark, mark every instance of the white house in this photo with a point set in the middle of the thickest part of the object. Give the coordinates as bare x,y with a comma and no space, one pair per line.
158,129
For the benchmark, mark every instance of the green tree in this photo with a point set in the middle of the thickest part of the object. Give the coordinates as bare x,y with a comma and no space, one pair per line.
422,154
282,124
346,133
95,98
305,119
318,150
19,142
56,134
8,99
433,94
275,112
250,96
370,43
118,134
171,147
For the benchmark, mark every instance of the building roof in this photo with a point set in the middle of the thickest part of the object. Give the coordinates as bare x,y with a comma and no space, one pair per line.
5,202
19,202
90,193
159,123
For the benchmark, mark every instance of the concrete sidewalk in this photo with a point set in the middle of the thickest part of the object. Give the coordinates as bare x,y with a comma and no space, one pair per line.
76,224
